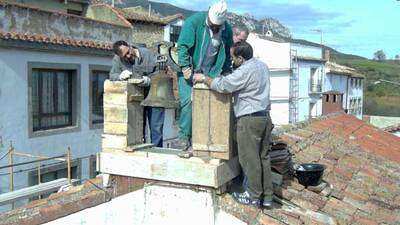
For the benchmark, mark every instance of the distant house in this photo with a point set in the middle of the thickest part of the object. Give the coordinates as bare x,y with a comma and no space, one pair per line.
173,27
297,72
146,29
52,67
349,82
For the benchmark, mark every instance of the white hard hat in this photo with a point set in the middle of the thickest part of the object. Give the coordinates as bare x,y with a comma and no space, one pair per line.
217,12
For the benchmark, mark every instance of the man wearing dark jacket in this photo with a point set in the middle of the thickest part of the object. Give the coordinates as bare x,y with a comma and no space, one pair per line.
138,62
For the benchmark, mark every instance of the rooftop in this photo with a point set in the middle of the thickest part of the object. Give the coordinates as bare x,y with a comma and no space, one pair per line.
53,29
137,15
360,183
335,68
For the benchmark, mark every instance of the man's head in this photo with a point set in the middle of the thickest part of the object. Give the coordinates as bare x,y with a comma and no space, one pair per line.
240,33
217,15
241,52
123,50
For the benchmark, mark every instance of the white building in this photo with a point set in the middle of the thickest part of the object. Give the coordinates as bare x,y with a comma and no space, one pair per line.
297,72
349,82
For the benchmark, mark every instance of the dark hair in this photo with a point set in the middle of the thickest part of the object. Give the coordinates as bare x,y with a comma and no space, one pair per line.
243,49
118,44
239,29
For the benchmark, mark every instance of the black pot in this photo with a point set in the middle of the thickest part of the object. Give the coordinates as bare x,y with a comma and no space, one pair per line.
311,175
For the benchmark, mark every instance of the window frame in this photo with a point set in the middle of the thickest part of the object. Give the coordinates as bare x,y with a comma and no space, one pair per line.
75,98
172,32
92,68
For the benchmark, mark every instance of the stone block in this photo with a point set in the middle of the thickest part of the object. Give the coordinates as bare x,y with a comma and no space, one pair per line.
111,141
115,115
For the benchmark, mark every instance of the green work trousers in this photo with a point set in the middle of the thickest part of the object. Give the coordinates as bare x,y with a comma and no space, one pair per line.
185,103
253,137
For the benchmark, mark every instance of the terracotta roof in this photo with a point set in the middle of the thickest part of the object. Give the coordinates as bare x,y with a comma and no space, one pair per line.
57,40
360,182
169,19
138,16
343,70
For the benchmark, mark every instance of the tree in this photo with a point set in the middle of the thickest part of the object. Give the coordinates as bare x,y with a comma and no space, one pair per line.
397,57
379,55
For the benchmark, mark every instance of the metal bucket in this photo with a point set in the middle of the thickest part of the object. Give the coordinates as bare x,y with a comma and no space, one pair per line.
311,174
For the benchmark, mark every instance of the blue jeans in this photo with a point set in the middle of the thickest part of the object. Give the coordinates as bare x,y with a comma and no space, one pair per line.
155,117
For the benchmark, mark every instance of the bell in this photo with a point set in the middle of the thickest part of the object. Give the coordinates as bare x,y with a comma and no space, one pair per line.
161,92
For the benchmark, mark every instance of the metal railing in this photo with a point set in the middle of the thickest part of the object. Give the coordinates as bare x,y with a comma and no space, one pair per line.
38,159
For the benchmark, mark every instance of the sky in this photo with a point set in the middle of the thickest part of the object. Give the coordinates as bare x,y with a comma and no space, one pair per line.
359,27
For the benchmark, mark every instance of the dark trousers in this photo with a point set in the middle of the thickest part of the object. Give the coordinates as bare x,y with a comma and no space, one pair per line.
155,117
253,137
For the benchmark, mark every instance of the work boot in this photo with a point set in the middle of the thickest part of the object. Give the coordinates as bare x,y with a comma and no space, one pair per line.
244,198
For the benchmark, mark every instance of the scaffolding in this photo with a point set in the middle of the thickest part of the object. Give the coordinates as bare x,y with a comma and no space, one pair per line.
11,153
294,88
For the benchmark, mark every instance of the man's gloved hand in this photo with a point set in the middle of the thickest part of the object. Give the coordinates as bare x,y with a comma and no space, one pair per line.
146,81
126,74
187,72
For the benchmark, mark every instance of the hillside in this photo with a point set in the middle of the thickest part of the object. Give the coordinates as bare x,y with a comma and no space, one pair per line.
166,9
379,99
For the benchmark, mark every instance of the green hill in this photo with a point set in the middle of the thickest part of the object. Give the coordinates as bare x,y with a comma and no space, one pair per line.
379,99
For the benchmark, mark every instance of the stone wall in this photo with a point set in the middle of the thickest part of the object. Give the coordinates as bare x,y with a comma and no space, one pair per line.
147,33
22,19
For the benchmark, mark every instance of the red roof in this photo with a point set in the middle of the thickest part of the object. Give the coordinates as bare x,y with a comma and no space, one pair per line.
57,40
368,137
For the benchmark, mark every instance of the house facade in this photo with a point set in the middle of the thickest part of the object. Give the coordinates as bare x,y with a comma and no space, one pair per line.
51,94
349,82
297,72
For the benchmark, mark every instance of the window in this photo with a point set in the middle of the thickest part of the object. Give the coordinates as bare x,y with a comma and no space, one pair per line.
315,81
174,33
51,98
334,98
97,81
327,98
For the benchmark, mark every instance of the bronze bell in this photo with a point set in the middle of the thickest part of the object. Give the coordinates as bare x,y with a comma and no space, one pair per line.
161,92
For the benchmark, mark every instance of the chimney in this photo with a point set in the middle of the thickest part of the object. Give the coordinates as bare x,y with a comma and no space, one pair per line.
327,54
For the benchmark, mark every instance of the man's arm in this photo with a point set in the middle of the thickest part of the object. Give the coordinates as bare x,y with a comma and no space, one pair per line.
225,84
116,69
227,67
185,42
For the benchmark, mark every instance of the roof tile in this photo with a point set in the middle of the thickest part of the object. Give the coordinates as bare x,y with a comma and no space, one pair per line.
57,40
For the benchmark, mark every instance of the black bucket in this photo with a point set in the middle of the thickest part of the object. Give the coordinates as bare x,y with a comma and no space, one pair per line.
311,175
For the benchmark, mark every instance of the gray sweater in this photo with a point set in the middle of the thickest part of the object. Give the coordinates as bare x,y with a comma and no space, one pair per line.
143,66
250,85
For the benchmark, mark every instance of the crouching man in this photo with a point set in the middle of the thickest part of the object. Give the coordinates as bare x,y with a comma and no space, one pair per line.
250,85
129,60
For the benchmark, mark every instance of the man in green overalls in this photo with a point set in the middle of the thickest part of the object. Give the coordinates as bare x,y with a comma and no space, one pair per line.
203,47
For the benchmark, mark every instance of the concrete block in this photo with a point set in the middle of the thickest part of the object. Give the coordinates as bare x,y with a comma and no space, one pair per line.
115,115
111,141
166,165
115,128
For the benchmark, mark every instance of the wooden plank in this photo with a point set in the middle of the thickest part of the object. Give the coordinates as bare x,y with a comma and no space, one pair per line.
32,191
212,124
168,167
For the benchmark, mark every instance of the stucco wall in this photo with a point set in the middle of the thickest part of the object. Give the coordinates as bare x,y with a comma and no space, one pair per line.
14,113
104,13
19,19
